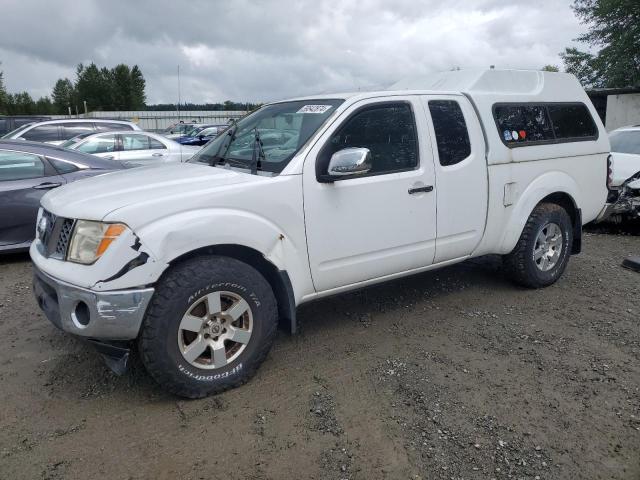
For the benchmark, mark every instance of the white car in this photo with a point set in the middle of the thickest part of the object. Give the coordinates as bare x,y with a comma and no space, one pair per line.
56,132
199,262
624,175
134,149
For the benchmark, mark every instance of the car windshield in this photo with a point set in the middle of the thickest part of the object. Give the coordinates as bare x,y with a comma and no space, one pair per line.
180,128
74,140
17,130
283,129
625,141
193,131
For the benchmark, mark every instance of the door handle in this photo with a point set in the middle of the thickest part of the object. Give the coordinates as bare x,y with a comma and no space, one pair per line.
109,157
46,186
156,154
425,189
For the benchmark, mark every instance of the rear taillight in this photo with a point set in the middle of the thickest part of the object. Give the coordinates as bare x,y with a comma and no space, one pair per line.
609,172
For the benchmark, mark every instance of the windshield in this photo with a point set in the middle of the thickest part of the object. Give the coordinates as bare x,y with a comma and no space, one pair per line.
193,131
283,129
625,142
74,140
178,128
17,130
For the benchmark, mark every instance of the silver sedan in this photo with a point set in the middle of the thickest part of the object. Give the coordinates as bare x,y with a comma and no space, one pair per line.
134,149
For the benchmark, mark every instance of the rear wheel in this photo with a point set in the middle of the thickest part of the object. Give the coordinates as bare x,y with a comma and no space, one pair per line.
209,326
542,252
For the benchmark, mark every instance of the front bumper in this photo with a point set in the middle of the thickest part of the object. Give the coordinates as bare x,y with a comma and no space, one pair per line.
111,315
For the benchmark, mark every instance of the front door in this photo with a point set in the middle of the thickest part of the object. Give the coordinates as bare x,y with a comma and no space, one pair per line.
380,223
24,179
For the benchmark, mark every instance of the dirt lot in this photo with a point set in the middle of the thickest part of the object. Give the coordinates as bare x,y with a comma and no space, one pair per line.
454,374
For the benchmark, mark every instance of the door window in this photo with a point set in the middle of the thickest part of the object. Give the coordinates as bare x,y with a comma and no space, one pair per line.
110,127
19,166
101,144
42,133
70,130
389,132
156,144
452,135
61,166
135,141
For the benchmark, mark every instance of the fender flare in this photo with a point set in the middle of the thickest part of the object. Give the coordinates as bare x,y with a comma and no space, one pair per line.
549,184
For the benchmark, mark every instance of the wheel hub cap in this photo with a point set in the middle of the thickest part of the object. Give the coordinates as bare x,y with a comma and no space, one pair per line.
548,247
215,329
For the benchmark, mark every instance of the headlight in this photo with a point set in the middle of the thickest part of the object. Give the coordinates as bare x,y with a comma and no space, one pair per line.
91,239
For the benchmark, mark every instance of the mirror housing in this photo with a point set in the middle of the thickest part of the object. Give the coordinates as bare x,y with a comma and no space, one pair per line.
348,162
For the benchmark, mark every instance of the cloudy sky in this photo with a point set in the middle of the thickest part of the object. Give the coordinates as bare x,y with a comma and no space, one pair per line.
273,49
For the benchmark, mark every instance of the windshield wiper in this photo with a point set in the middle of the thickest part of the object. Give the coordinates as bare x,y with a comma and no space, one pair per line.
217,158
258,153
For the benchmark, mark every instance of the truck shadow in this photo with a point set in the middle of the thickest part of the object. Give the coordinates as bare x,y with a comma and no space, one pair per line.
484,273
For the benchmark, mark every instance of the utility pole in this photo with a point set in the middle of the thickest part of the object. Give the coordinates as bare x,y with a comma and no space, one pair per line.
178,93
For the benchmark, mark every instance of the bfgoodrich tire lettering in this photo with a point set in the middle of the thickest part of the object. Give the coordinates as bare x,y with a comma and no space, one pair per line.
178,295
542,252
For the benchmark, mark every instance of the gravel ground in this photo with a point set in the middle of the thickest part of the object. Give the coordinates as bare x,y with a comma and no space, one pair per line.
453,374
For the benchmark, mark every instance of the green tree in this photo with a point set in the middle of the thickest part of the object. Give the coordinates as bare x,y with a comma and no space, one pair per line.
3,94
21,104
63,95
122,87
614,34
138,84
44,106
93,85
550,68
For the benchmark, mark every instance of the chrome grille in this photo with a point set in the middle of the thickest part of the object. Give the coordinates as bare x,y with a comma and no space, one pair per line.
55,235
64,237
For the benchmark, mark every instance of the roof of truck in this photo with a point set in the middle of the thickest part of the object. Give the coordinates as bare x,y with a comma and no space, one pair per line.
477,82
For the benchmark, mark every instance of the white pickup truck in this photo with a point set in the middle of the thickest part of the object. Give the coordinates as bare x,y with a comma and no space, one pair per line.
199,262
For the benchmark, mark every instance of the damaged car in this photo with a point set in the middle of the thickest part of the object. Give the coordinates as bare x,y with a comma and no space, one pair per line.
623,201
198,263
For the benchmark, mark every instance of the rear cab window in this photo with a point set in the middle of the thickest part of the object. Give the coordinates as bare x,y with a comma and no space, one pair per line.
452,136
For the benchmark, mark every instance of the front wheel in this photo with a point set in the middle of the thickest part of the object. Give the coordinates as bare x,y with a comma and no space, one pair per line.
208,327
542,252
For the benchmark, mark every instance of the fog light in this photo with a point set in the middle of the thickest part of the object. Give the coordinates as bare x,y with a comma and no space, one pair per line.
81,314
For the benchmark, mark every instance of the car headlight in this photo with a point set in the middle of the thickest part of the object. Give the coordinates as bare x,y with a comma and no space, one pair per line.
91,239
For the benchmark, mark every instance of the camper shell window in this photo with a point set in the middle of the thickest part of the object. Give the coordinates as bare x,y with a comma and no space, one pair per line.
527,124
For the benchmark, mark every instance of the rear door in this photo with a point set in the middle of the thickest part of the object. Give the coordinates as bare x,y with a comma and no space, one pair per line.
461,174
24,179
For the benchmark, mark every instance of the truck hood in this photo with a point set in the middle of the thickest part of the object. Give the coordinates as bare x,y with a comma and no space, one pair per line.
94,198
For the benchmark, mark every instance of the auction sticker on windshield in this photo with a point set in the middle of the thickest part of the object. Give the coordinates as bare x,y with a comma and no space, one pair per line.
314,109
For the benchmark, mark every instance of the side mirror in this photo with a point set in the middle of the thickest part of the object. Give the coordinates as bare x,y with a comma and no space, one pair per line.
349,161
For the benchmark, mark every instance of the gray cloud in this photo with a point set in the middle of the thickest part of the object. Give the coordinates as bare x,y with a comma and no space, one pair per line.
270,49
